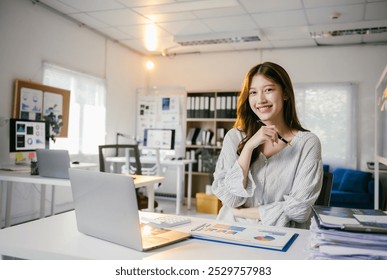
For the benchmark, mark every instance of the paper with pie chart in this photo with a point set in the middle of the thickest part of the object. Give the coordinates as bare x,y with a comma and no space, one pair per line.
254,235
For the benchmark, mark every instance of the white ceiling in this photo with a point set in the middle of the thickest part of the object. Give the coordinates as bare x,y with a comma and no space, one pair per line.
278,23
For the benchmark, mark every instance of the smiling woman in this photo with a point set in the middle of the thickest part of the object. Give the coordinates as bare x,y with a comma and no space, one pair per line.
258,178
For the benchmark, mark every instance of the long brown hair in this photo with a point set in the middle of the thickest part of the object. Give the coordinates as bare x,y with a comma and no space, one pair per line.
247,119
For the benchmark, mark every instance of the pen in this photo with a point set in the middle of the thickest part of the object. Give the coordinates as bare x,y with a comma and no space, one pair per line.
199,227
279,136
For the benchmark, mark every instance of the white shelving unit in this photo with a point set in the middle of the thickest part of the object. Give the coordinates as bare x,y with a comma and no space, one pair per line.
380,129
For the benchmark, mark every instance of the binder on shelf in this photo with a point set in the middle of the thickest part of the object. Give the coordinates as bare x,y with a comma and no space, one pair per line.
212,107
201,106
228,106
208,137
222,111
217,106
234,106
189,106
206,107
193,156
220,132
196,106
200,137
200,163
190,135
195,136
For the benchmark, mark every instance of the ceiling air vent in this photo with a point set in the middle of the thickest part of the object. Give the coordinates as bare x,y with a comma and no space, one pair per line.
357,31
215,38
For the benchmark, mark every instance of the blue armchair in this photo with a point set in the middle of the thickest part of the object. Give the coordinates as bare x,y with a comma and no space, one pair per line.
352,189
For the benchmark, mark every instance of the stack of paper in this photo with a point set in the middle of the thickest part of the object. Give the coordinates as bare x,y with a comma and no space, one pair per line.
343,233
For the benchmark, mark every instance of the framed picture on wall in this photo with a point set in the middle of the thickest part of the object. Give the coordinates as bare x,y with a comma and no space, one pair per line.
33,101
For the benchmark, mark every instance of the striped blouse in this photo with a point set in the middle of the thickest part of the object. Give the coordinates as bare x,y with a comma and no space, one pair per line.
283,186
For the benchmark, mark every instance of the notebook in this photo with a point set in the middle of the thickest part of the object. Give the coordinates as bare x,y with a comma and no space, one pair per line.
53,163
106,207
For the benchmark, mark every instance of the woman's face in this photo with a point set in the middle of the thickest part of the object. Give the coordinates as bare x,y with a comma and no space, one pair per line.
266,99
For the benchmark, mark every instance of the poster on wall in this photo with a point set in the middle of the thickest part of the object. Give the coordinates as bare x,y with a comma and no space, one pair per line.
33,101
161,108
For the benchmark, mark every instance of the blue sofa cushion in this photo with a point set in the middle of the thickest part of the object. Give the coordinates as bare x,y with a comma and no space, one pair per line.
355,181
351,200
338,174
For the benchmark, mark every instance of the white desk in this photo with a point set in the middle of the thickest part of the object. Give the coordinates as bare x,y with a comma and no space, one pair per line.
10,177
180,164
57,237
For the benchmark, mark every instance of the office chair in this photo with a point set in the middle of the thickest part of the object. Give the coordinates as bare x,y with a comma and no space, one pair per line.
107,155
119,150
325,194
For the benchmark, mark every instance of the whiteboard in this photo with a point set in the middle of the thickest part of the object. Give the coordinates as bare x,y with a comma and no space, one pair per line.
162,107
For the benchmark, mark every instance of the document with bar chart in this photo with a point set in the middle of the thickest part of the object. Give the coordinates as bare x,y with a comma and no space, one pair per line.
251,236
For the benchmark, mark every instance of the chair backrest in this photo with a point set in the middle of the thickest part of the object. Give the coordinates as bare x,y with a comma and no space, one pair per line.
325,194
126,151
151,165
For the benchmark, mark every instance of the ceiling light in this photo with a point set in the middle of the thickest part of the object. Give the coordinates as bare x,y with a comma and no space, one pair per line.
151,37
216,38
357,31
150,65
186,6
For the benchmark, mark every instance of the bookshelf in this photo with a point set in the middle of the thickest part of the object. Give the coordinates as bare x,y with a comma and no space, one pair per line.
380,130
209,116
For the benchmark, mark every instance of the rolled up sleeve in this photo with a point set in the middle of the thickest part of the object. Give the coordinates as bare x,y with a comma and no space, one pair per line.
228,177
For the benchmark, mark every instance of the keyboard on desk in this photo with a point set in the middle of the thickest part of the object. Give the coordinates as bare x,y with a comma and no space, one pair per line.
168,221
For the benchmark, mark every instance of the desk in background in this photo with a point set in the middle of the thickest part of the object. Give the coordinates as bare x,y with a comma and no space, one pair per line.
180,164
57,237
9,177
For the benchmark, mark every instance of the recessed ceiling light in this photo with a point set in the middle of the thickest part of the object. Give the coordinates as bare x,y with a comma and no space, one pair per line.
346,32
186,6
216,38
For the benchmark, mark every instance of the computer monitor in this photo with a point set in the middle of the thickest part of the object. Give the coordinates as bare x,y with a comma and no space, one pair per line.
28,135
159,138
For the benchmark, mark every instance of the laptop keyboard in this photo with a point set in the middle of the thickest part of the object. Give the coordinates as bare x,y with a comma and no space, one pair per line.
169,221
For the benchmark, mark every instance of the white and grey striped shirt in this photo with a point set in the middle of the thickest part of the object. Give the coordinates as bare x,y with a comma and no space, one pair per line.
283,186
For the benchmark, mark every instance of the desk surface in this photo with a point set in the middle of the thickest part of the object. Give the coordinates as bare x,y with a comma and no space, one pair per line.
149,159
25,177
57,237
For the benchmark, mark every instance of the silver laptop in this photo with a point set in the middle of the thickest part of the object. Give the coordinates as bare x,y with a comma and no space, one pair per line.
53,163
106,208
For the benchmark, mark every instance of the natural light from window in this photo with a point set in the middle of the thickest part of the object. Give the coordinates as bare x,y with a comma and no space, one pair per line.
329,111
87,109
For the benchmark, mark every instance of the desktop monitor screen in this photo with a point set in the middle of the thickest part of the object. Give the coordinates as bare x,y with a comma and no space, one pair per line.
163,139
28,135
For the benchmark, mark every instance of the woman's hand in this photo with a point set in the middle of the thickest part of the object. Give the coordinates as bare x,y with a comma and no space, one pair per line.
250,213
265,134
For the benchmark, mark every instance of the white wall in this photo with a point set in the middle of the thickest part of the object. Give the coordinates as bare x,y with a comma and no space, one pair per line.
361,65
31,34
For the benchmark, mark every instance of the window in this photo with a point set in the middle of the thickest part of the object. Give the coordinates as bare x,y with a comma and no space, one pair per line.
87,109
329,111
